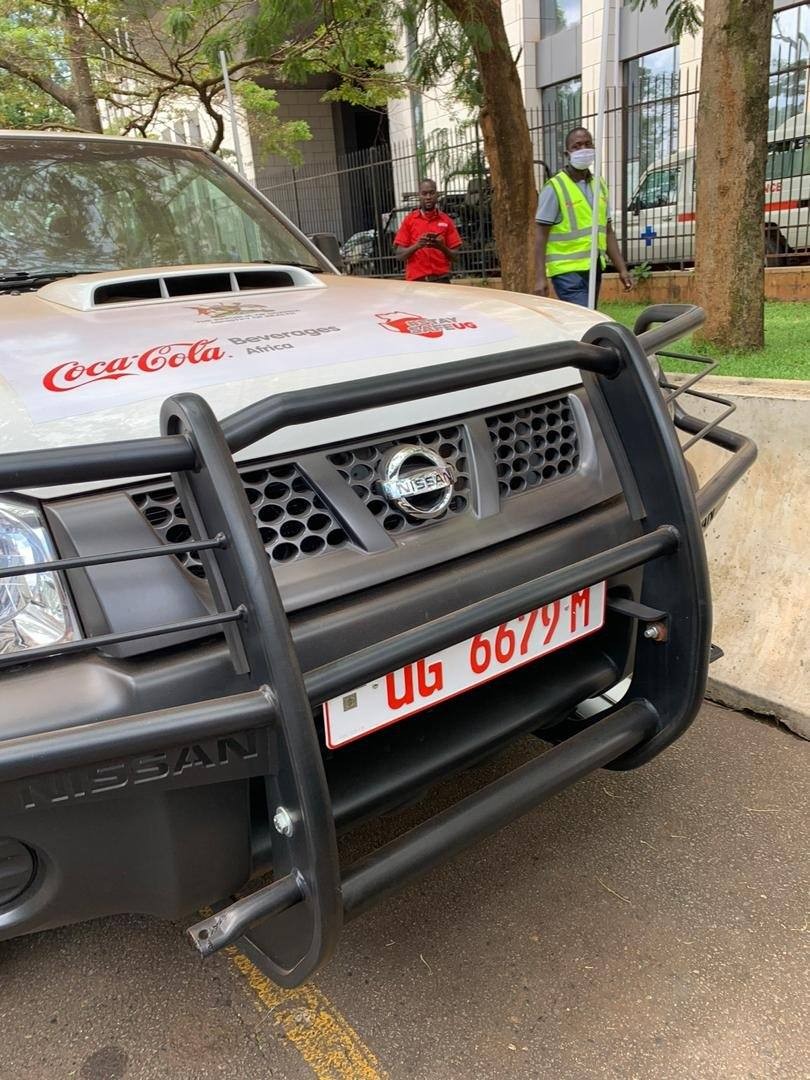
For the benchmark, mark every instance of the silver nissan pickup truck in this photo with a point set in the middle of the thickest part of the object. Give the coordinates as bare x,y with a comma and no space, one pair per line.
281,549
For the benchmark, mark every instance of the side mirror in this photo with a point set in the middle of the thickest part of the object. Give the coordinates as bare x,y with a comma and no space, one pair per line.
327,244
634,206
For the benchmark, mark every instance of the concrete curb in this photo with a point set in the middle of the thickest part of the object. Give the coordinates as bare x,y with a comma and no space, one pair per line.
759,553
742,700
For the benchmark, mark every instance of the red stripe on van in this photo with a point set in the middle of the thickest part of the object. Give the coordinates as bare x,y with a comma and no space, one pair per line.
789,204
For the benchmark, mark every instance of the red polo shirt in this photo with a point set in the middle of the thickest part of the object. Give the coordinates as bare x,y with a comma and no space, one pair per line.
427,261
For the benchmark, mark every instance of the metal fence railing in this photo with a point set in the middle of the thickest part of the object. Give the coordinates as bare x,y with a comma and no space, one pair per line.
649,164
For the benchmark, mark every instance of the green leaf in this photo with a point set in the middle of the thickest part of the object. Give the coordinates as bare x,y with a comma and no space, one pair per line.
148,62
271,135
684,17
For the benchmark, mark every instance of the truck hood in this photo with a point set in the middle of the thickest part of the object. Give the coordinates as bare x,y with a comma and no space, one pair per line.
73,372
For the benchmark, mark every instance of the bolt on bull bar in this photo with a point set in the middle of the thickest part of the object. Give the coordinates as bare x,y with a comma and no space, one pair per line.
292,925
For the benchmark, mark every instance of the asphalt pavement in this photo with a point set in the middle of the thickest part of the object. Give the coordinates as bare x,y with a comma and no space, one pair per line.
651,925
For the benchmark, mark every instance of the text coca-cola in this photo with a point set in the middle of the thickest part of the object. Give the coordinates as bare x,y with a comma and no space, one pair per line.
73,374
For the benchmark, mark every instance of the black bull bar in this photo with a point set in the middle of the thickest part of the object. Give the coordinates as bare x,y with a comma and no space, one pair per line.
292,925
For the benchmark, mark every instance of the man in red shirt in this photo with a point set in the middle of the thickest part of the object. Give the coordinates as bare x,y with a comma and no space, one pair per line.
427,240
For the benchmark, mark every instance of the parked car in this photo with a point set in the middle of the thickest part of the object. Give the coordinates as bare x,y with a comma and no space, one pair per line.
281,549
357,252
371,253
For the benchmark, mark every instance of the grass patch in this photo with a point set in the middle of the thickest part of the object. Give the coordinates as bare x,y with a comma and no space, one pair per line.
787,343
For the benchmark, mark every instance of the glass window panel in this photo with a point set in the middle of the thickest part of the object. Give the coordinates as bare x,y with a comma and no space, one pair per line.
100,205
562,110
790,52
653,84
556,15
788,159
659,188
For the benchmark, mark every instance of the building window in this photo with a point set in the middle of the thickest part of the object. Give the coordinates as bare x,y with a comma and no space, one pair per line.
652,83
790,57
556,15
561,111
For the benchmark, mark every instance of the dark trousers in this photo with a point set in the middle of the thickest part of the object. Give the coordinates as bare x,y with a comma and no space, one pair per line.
436,279
573,287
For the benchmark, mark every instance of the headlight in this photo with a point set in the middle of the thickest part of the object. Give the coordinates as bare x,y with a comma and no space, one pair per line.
34,608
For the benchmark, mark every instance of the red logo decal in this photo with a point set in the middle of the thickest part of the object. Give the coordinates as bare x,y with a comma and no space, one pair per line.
73,374
420,325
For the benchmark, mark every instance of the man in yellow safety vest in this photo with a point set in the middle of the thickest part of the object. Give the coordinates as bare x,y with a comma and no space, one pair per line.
564,222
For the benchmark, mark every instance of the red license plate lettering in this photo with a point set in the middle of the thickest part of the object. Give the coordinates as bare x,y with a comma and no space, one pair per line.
460,667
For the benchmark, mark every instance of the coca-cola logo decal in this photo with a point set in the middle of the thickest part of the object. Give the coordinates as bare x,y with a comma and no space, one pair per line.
73,375
67,365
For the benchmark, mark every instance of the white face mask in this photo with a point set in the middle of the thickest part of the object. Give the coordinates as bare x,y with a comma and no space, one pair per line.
582,159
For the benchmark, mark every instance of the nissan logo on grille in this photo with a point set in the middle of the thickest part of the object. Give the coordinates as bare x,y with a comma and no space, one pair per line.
417,481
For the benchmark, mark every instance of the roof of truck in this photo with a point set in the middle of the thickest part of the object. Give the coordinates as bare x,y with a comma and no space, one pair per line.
19,133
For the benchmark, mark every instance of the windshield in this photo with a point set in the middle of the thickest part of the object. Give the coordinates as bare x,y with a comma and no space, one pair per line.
74,206
658,188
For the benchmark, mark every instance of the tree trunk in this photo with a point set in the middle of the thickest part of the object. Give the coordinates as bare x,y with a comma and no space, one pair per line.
85,107
507,143
731,159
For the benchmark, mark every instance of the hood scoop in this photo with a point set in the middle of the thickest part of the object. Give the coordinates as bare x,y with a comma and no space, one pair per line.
89,291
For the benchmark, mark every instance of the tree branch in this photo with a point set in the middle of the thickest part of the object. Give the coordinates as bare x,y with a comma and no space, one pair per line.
45,83
129,59
219,123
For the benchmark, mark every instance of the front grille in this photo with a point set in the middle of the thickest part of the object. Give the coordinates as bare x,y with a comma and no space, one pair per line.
293,520
359,467
534,445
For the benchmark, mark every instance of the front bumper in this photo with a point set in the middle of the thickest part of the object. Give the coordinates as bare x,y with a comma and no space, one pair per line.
256,717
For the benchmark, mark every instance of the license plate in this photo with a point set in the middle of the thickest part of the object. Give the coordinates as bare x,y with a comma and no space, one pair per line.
460,667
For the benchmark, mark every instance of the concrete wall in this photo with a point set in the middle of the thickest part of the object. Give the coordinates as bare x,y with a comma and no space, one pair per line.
314,205
759,553
677,286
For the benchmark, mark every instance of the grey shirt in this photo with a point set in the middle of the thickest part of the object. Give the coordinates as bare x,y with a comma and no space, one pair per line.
548,206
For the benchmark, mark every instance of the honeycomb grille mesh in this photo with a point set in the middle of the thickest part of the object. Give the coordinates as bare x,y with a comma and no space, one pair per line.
534,445
360,468
292,519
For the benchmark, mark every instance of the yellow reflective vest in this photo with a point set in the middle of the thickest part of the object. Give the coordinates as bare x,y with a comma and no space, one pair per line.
569,241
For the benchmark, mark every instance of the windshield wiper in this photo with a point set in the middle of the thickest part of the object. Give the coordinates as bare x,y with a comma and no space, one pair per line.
11,278
13,274
313,269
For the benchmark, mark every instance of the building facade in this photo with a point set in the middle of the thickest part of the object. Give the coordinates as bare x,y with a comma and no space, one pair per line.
558,48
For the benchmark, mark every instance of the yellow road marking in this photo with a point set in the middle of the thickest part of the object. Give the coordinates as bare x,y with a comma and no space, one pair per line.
318,1031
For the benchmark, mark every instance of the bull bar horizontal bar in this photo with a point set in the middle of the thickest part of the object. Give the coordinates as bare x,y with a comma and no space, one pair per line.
668,676
445,835
70,747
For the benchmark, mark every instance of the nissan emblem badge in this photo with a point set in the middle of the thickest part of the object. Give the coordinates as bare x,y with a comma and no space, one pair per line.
417,481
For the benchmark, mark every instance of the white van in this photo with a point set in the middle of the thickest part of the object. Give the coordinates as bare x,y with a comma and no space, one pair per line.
661,213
